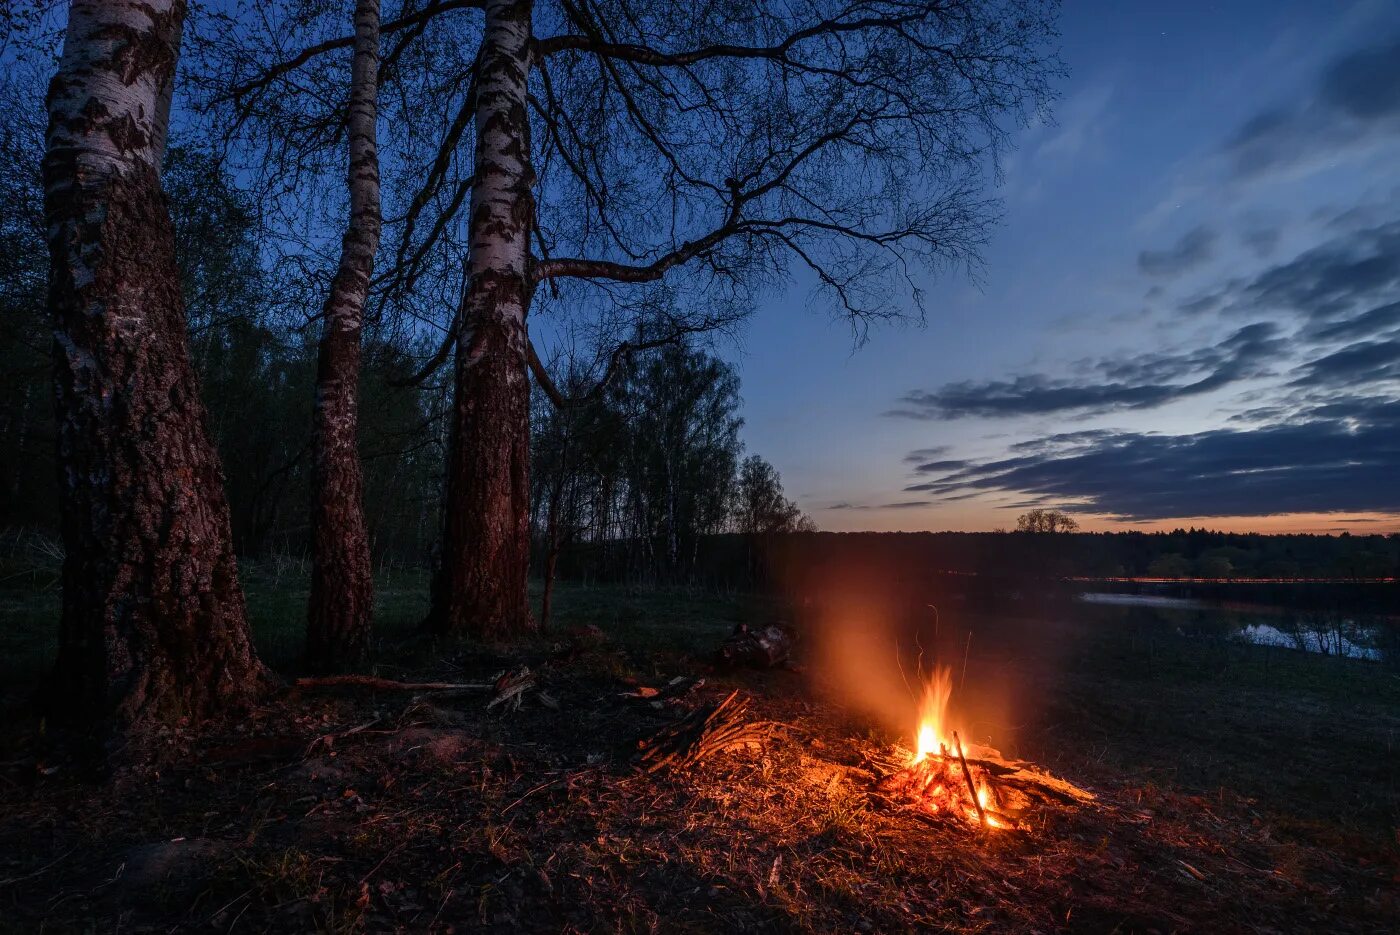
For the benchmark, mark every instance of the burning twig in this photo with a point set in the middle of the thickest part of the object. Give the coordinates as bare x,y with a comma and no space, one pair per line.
971,787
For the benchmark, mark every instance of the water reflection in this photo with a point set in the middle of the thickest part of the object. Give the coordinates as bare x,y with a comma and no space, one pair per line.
1329,633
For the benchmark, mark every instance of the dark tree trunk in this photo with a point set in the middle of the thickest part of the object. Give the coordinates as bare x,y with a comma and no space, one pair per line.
342,590
553,544
153,626
551,563
481,583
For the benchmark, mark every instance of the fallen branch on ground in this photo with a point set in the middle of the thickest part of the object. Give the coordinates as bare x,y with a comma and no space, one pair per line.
389,685
702,733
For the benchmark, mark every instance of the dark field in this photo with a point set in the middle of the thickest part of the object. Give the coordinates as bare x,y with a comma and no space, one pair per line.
1241,788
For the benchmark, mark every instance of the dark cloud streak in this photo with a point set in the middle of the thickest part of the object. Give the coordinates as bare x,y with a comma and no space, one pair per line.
1356,101
1141,382
1316,463
1195,247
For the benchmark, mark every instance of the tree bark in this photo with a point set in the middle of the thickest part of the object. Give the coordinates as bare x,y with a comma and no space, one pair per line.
153,626
481,583
342,590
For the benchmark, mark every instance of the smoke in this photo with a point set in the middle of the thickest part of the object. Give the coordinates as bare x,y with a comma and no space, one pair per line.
864,661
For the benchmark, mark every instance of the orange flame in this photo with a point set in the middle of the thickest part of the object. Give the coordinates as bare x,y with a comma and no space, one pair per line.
933,711
932,738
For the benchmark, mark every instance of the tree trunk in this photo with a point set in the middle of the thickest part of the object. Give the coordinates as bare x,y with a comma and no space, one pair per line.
342,591
153,626
481,584
551,564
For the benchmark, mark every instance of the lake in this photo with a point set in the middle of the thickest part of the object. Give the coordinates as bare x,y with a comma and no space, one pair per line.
1331,633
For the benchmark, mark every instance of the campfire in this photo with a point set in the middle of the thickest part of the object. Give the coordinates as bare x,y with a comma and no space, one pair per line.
939,777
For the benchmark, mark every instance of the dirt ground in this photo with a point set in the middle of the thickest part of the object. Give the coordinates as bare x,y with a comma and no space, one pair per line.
1222,805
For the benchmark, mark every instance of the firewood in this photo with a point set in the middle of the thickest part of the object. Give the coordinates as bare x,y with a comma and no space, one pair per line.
971,786
703,732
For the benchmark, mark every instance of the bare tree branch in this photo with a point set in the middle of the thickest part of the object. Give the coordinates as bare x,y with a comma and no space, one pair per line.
434,8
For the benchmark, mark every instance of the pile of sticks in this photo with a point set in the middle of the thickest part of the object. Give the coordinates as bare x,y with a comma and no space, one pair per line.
707,730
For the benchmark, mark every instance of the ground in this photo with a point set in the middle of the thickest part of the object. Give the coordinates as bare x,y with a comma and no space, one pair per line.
1239,789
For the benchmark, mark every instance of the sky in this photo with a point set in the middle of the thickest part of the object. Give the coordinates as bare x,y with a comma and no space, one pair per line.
1190,314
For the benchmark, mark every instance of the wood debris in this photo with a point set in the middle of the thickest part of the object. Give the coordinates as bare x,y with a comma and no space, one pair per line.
765,648
702,733
389,685
669,694
511,687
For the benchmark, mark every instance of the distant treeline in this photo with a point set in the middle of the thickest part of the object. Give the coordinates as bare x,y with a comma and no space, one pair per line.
811,561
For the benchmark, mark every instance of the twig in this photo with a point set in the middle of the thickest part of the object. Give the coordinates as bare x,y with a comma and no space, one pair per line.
42,870
966,649
328,740
967,774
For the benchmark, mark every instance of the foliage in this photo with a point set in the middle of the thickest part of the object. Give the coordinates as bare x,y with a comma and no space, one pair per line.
651,467
1046,521
759,505
247,318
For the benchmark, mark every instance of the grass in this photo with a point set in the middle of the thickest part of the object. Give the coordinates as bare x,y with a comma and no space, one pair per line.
677,621
1245,787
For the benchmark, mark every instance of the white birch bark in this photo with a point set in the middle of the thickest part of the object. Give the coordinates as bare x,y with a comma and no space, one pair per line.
153,625
481,582
338,613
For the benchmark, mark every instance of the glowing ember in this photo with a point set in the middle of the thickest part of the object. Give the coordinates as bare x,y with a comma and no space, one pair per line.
938,777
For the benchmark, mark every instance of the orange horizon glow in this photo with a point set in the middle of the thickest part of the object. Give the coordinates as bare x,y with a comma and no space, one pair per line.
984,519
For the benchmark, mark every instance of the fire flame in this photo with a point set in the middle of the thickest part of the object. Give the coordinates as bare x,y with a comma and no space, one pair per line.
933,711
937,763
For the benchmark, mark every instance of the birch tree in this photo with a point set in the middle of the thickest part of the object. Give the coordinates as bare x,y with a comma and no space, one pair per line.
581,157
153,624
342,591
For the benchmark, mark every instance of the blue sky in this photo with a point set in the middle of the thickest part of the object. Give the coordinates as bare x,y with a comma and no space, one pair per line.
1190,313
1172,323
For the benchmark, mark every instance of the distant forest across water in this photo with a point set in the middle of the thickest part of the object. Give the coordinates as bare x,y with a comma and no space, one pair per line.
801,558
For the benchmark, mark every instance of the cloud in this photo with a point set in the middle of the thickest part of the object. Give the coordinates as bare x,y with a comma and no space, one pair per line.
1356,268
899,505
1375,321
1337,457
1141,382
1195,247
940,467
1355,102
1081,120
1363,363
924,454
1261,240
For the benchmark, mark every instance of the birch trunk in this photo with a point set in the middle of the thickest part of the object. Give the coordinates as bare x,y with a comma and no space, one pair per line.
481,583
342,590
153,626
